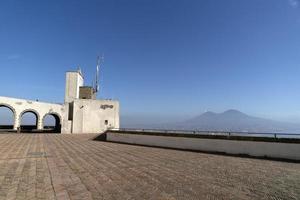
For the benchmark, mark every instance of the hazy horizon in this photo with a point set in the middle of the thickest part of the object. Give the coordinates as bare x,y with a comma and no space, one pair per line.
139,118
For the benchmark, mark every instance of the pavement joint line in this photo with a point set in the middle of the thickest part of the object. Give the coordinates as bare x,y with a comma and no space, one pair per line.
29,157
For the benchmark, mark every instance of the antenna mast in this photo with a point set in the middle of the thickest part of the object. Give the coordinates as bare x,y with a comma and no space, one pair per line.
99,61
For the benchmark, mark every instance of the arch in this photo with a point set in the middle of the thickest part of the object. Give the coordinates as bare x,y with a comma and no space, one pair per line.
29,128
8,127
9,107
57,117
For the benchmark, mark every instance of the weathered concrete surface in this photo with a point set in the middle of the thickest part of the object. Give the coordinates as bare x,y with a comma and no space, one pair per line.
95,116
277,150
75,167
74,80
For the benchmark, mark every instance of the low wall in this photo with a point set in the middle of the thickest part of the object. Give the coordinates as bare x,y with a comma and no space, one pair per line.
276,150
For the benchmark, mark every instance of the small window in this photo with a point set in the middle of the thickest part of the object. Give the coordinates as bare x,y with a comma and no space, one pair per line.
71,106
106,122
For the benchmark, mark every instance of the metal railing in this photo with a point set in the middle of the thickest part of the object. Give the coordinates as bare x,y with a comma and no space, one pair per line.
213,133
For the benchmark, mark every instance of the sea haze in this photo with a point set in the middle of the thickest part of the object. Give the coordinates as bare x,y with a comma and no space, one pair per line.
230,120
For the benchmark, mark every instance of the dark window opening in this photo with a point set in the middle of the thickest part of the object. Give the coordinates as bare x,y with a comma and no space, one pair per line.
71,106
106,122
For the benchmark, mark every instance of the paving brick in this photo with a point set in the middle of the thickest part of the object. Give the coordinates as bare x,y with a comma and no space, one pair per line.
53,166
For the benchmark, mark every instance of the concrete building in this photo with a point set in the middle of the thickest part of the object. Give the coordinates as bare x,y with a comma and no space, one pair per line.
80,113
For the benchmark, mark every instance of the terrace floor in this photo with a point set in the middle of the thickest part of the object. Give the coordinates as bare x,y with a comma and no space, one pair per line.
52,166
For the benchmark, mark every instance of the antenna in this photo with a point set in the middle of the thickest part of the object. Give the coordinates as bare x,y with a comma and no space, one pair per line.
93,84
99,61
79,70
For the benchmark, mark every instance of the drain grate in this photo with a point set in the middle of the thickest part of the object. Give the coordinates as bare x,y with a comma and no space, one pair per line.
36,154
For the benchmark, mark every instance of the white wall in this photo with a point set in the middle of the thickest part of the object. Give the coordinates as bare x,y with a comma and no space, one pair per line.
19,106
74,80
89,115
252,148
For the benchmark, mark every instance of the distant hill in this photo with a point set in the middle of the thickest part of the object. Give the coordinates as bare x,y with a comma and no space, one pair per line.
234,120
230,120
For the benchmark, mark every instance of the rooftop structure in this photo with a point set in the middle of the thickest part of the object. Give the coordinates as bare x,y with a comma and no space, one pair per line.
81,112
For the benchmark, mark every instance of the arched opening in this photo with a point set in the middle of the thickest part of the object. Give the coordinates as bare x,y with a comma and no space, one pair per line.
7,118
52,123
29,121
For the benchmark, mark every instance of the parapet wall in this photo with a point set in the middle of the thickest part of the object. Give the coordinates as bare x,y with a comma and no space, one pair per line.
275,150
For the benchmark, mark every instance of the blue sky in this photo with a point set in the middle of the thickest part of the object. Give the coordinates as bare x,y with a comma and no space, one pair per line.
173,59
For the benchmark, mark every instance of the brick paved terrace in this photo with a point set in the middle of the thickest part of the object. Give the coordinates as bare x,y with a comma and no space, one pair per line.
49,166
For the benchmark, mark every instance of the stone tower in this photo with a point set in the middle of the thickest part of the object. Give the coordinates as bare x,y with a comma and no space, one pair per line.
74,80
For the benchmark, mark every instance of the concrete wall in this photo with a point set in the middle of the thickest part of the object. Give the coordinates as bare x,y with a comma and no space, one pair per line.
75,115
40,109
66,123
74,81
87,92
89,115
251,148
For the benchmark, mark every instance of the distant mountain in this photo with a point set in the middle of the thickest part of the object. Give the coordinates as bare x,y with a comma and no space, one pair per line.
230,120
234,120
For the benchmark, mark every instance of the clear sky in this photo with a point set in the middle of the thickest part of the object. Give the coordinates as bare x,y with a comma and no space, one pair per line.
162,58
